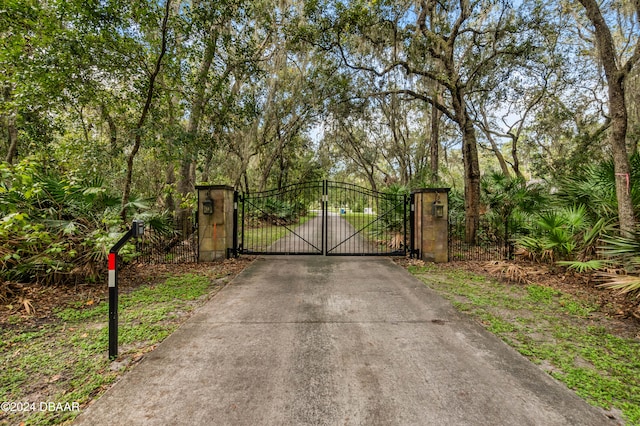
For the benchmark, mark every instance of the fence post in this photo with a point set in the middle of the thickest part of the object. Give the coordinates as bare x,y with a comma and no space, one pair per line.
404,220
431,233
235,223
412,224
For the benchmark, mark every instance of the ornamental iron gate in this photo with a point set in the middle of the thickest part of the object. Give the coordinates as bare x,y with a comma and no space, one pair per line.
325,218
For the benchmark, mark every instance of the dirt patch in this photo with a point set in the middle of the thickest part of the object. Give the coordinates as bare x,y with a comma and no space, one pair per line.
32,305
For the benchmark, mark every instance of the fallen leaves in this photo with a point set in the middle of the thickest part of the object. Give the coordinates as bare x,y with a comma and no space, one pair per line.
35,304
26,305
513,272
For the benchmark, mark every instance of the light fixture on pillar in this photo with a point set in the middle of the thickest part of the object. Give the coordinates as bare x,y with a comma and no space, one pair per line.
207,205
437,208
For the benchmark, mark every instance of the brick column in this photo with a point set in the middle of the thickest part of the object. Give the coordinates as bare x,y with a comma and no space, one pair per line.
431,224
215,222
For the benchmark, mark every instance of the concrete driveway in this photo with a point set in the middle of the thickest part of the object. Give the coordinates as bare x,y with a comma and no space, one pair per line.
312,340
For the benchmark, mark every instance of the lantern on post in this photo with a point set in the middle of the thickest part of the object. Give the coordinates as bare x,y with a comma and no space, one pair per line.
207,205
437,208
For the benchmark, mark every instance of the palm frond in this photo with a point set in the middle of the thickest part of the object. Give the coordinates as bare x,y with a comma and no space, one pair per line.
575,216
621,246
587,266
623,284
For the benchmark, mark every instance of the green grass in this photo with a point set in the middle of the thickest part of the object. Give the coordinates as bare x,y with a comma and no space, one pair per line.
261,238
368,223
554,329
65,360
359,220
369,226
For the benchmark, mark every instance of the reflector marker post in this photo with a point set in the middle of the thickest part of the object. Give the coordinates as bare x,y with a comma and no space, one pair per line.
137,230
112,269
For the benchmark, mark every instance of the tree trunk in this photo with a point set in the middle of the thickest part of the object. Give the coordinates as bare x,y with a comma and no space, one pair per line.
185,187
186,184
496,150
471,180
434,144
617,111
471,166
13,139
205,176
514,155
633,102
618,129
170,180
143,116
113,130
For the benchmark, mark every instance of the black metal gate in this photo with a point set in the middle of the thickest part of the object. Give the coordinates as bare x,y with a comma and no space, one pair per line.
323,217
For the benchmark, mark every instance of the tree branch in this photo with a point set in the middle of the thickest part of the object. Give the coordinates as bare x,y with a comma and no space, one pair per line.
145,112
440,107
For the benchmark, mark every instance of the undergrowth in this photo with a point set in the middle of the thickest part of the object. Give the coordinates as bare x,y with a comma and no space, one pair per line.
560,332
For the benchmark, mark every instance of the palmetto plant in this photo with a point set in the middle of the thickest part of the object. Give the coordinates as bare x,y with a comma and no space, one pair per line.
568,236
623,252
594,187
504,195
53,229
508,197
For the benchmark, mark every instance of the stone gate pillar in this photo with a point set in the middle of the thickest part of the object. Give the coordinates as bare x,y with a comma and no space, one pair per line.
431,224
216,220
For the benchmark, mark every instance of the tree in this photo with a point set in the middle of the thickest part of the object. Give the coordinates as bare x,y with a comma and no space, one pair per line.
138,130
453,45
349,136
27,88
617,67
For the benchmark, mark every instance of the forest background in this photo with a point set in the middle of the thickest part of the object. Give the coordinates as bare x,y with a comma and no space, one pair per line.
116,109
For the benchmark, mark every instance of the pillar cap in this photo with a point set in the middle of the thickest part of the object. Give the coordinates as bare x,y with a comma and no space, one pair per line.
227,187
431,190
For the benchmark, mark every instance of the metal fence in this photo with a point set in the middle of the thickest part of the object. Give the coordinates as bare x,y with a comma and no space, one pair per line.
495,239
180,245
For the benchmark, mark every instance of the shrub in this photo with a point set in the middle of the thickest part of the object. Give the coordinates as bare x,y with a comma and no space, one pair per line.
54,229
565,235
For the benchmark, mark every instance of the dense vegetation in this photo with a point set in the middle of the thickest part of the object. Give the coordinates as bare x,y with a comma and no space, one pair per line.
112,109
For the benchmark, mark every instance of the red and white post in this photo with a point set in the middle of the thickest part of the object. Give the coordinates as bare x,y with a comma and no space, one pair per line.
113,305
137,230
112,269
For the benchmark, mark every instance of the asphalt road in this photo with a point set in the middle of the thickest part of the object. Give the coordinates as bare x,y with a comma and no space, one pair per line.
314,340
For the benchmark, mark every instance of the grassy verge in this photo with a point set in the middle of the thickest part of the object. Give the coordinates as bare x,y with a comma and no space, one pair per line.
64,360
563,334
